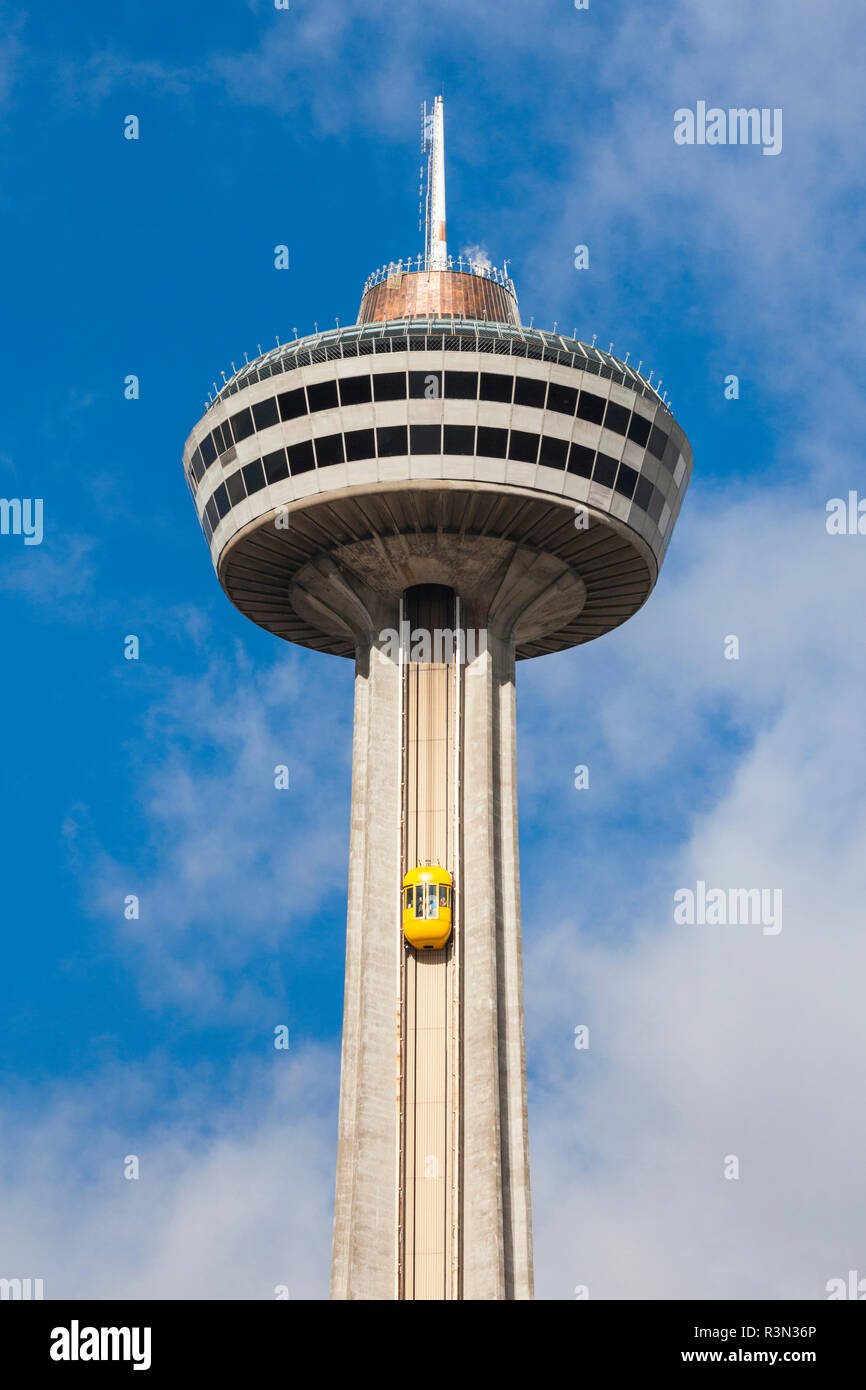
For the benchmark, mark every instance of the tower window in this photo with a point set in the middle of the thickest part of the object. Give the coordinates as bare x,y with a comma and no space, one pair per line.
657,441
462,386
528,391
221,500
616,418
492,443
580,460
389,386
523,447
329,449
425,439
275,466
496,386
208,450
235,487
554,452
459,439
625,480
392,440
360,444
639,430
354,390
242,425
590,407
605,470
322,396
292,404
254,476
301,458
265,413
561,398
642,493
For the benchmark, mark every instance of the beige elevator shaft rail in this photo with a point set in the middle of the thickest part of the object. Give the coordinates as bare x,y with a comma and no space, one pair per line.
430,1046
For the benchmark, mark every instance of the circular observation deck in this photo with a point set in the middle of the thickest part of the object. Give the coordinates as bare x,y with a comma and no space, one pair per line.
537,476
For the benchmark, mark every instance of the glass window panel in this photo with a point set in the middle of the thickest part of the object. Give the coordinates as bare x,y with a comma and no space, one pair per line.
657,441
265,413
492,443
639,430
561,398
528,391
301,457
254,476
605,470
276,466
643,492
292,404
389,386
580,460
208,450
462,386
590,407
242,425
523,447
425,439
392,440
235,486
322,396
616,417
554,452
221,498
496,386
459,439
329,449
360,444
355,390
625,480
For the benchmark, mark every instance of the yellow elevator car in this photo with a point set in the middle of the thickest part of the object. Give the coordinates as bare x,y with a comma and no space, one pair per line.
427,907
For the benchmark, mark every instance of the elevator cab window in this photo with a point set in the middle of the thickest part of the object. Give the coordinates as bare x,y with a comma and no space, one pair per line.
427,908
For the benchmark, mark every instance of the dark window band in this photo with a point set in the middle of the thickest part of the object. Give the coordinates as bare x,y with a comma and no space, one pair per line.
391,441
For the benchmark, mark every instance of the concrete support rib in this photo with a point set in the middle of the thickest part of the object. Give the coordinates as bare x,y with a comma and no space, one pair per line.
364,1235
497,1248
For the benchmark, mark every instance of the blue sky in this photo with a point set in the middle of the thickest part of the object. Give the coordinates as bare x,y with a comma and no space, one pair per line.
154,777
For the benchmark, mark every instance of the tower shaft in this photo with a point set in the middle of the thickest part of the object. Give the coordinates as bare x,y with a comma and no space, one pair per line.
433,1094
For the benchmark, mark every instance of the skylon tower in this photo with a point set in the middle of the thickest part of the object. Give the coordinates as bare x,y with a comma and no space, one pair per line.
436,493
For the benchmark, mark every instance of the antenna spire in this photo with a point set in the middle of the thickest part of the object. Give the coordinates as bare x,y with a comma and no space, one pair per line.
436,247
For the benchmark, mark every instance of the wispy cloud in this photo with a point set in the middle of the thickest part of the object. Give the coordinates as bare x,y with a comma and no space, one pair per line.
231,871
704,1041
234,1194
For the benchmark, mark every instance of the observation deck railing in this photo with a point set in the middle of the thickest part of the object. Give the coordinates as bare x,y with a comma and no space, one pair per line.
460,265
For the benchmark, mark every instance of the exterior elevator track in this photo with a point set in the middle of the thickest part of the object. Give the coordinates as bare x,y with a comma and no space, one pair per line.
428,1008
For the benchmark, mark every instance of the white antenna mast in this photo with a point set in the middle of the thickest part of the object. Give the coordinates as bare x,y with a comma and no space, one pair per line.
436,248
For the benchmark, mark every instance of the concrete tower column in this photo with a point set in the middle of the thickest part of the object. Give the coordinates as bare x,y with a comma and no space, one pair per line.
364,1265
496,1202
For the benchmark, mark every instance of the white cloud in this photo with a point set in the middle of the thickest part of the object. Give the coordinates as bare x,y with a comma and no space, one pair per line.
706,1041
234,1197
231,870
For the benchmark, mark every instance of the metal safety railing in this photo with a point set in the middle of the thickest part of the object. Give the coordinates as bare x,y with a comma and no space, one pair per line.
461,265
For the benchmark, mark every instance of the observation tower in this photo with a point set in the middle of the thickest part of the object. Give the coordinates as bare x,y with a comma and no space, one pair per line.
436,493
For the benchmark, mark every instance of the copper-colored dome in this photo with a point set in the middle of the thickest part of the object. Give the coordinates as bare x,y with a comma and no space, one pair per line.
402,294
